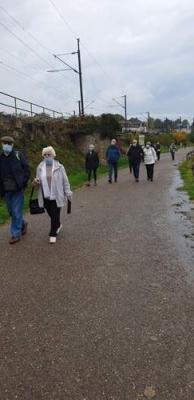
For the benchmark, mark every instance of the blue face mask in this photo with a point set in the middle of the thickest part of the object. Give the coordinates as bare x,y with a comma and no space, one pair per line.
48,160
7,148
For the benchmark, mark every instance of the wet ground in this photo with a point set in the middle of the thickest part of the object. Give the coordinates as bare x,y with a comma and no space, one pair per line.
107,312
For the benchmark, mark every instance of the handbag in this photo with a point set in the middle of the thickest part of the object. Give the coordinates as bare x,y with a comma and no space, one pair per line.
34,206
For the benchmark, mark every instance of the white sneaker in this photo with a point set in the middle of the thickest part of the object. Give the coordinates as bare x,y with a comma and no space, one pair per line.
59,229
52,239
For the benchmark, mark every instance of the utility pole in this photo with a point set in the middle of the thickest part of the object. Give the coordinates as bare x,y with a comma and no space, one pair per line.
124,107
80,78
79,107
69,67
148,123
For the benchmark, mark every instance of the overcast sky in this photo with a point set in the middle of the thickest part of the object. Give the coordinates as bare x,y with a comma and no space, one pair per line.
141,48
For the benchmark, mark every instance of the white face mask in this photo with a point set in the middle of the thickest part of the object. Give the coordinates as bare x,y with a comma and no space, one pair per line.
7,148
49,160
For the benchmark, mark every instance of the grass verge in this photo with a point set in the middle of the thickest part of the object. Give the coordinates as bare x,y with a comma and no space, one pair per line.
188,178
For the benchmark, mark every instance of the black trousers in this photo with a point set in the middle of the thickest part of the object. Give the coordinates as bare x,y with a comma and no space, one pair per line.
136,167
54,214
130,165
158,155
150,171
90,174
172,154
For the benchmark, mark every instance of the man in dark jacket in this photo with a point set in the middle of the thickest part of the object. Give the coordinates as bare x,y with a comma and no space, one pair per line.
112,155
157,149
14,175
135,154
91,164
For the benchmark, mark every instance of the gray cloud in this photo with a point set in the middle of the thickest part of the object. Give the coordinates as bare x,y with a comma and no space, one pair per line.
142,48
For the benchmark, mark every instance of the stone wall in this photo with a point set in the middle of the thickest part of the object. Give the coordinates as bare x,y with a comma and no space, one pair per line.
29,129
83,142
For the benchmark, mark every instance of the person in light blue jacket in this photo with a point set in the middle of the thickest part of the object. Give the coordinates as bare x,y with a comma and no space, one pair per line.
112,155
54,189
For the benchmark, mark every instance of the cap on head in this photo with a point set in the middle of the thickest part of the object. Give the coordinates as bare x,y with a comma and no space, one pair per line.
113,141
48,150
7,139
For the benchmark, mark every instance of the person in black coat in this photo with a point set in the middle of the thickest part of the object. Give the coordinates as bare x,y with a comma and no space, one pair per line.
14,175
135,155
92,164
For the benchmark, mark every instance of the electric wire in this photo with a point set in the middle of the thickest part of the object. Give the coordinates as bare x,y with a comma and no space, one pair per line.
25,44
32,78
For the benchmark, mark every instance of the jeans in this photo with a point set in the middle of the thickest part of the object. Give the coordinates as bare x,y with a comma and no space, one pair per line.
15,204
54,214
112,166
136,167
90,174
150,171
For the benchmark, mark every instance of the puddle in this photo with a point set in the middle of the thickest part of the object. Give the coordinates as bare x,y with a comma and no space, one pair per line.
181,217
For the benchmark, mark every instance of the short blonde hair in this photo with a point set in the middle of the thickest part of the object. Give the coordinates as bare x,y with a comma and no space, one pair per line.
50,150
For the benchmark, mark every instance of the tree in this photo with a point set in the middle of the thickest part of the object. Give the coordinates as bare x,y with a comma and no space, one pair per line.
158,124
109,125
180,137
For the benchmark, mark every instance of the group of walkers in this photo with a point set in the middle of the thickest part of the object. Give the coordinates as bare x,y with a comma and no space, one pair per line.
52,181
135,154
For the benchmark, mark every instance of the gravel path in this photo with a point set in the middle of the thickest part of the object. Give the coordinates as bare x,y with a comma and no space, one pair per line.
107,312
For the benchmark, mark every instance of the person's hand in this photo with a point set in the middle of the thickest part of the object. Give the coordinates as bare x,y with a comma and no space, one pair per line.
36,182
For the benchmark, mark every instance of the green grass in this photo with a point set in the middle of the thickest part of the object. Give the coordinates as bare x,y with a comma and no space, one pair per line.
77,179
188,178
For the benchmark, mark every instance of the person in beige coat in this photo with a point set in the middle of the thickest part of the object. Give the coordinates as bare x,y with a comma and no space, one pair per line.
54,189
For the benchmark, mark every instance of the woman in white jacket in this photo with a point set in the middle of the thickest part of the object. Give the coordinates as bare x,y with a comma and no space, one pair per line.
54,189
150,158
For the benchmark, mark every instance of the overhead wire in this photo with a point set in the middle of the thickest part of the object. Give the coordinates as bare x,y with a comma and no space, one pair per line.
25,44
3,64
75,35
18,23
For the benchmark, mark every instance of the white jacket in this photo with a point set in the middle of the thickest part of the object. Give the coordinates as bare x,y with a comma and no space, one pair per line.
60,184
149,155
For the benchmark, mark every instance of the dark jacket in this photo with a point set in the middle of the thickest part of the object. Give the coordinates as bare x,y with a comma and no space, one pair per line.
113,153
16,166
135,154
92,160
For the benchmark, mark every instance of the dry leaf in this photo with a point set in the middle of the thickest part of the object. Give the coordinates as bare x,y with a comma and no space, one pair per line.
149,392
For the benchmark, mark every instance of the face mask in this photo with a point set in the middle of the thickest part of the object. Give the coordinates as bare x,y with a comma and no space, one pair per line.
134,144
7,148
49,160
147,146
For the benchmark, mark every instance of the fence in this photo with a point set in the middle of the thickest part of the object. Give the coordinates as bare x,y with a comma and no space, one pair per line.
31,110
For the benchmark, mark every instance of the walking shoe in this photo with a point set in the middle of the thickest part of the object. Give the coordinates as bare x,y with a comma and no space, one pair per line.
88,184
14,240
24,228
59,229
109,181
52,239
137,180
95,183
